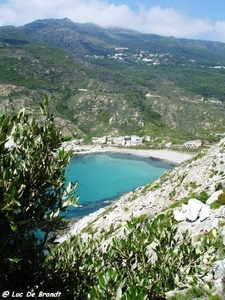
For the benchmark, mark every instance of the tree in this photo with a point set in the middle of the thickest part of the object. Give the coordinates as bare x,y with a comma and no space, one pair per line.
33,194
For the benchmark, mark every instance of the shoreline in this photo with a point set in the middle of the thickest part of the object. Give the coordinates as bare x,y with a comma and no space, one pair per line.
77,224
164,154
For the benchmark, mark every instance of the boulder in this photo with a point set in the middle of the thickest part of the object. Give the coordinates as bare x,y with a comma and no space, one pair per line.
179,216
215,223
214,197
193,209
184,207
205,212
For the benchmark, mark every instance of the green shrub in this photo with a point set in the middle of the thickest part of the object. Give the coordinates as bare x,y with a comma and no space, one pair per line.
218,203
70,268
203,196
149,260
33,193
221,199
215,205
67,138
199,155
196,292
132,270
175,204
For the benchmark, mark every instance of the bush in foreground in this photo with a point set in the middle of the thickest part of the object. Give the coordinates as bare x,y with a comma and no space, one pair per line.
151,259
33,193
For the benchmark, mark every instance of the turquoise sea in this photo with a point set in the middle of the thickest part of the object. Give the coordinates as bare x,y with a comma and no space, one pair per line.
104,177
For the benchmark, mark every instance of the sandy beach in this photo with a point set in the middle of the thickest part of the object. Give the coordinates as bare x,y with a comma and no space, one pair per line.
167,155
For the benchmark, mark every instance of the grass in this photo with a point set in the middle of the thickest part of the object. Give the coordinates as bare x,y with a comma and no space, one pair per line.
200,155
197,293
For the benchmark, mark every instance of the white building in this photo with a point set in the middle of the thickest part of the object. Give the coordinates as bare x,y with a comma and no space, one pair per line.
193,144
99,140
136,140
118,141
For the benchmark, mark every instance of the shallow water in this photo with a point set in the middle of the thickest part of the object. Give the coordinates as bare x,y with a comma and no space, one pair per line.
105,177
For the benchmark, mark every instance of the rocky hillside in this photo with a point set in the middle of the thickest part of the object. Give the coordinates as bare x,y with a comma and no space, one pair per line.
194,191
114,81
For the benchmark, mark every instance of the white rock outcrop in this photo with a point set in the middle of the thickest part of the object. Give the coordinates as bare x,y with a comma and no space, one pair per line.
193,209
214,197
205,213
179,215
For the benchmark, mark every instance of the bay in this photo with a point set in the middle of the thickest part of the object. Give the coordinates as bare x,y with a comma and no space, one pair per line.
105,177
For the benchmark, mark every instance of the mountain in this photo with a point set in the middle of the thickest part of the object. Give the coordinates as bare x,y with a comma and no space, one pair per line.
115,81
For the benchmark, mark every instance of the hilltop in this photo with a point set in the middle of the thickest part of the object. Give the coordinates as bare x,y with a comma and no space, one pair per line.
115,81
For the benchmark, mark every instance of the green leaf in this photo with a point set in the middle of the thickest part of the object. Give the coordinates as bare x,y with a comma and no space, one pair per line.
15,260
13,227
129,225
102,282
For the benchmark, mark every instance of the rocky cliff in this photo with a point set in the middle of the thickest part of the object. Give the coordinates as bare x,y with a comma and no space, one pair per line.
191,190
203,173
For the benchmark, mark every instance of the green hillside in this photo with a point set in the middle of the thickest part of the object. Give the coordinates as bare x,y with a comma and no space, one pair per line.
114,81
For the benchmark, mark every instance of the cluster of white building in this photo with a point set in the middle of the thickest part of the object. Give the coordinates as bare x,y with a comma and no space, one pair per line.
126,141
145,56
193,144
133,140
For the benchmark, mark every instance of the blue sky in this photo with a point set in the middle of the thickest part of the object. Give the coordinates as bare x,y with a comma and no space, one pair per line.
196,19
212,9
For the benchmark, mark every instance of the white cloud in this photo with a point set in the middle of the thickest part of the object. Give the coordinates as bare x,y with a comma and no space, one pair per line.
220,30
169,22
100,13
156,20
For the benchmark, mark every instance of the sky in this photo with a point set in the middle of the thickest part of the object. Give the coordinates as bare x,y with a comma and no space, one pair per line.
194,19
